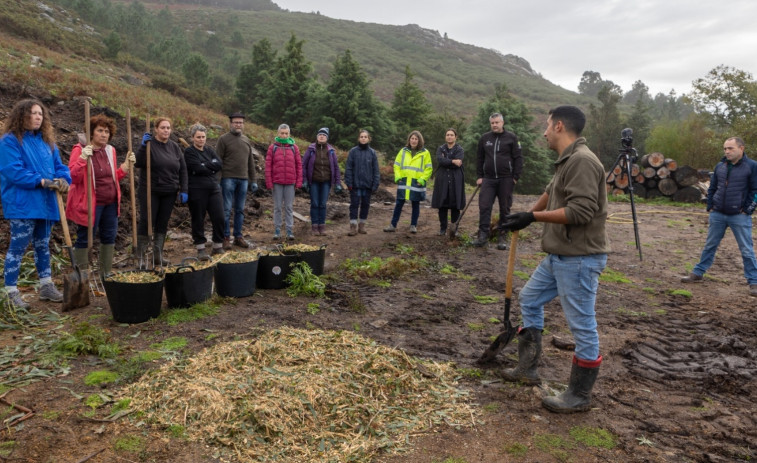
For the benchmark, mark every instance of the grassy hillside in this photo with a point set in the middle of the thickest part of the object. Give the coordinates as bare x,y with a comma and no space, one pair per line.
454,75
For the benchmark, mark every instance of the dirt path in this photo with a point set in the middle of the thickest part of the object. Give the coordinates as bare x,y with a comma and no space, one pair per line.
677,382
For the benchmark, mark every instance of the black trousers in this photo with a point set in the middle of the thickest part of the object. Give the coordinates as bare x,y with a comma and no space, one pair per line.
204,201
454,215
162,207
500,188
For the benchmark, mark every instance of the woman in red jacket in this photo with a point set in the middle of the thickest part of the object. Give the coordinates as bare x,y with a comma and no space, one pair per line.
106,192
283,173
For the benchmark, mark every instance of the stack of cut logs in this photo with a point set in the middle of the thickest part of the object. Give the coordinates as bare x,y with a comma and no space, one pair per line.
656,175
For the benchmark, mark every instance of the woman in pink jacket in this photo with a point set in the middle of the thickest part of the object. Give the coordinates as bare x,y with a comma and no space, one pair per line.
283,173
106,192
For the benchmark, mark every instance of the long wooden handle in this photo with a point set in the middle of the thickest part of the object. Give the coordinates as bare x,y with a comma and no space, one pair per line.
63,221
511,265
89,179
149,183
131,184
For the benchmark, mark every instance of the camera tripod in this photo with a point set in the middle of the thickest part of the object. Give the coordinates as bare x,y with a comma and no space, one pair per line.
627,157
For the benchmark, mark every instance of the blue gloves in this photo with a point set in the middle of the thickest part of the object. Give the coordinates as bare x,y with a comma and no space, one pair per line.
253,187
518,221
306,187
338,188
183,197
145,138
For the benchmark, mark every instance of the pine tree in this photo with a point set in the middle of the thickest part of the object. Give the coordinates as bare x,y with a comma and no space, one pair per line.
287,91
410,110
603,126
253,77
347,104
537,163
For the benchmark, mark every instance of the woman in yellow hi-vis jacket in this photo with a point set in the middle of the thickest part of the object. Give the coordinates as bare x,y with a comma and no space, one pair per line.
412,169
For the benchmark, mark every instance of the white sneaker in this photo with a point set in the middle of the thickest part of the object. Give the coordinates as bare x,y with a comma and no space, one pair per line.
17,301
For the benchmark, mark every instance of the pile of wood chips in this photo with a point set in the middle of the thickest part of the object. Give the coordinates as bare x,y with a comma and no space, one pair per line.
298,395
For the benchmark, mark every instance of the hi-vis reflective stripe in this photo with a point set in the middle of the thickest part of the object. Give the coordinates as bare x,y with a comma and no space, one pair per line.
419,189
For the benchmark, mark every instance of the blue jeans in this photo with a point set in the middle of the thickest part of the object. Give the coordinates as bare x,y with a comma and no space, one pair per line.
106,222
319,194
416,212
22,232
575,279
741,226
234,195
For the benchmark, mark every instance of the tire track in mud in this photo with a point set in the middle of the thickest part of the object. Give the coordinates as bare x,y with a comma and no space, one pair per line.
704,367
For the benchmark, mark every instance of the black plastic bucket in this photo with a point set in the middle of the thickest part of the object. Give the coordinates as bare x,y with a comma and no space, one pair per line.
134,302
315,259
273,270
187,286
236,280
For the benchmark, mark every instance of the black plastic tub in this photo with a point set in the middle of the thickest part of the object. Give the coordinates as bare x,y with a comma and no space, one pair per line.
273,270
236,280
315,259
188,286
134,302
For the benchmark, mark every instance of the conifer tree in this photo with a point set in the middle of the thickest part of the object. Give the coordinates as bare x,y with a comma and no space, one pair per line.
287,91
252,79
410,110
347,104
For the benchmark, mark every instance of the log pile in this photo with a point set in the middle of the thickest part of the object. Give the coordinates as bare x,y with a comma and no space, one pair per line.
654,176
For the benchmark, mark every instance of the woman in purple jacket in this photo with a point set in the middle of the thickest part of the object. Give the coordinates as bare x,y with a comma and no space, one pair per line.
320,170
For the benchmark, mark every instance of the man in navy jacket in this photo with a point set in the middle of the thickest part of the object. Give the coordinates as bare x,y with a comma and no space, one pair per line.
731,200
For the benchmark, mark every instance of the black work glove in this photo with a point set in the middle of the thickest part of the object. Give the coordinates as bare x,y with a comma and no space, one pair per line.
518,221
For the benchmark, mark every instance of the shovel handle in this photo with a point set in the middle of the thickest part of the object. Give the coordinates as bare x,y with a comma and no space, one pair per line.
511,265
131,184
149,180
89,176
63,221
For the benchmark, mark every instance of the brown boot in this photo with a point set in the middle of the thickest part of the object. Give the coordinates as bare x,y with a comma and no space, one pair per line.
353,229
361,228
314,230
322,229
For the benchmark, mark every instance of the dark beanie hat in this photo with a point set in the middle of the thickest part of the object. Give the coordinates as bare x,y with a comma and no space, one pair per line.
323,130
236,115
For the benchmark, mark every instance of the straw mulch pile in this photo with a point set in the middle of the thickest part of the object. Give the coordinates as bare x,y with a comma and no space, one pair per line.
305,396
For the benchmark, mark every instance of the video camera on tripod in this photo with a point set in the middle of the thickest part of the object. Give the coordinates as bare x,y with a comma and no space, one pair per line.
625,159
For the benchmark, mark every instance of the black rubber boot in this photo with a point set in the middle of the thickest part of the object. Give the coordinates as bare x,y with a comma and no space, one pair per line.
482,239
157,248
503,238
106,260
529,350
577,398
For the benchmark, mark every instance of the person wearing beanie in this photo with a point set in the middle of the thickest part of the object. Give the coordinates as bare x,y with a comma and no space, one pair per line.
320,171
237,155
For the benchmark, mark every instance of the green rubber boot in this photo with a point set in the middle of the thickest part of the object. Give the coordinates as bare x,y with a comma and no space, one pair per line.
106,260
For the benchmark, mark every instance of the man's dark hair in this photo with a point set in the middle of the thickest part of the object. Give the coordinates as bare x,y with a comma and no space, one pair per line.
739,141
571,117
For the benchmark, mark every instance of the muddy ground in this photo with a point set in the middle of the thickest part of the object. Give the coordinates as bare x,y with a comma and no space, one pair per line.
677,382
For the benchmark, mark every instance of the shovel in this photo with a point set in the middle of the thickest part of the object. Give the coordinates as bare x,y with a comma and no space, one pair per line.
452,231
76,283
131,187
509,332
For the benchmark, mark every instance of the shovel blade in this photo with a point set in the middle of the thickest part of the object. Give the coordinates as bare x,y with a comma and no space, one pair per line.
503,339
75,290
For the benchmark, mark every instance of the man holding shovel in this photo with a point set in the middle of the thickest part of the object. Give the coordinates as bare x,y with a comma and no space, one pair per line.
574,209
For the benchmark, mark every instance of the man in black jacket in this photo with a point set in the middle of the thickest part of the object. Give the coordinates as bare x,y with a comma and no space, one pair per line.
498,166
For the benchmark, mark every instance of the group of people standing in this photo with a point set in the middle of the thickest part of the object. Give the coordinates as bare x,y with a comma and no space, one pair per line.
573,207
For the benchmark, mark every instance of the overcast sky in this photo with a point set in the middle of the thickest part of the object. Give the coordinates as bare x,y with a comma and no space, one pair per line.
665,44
